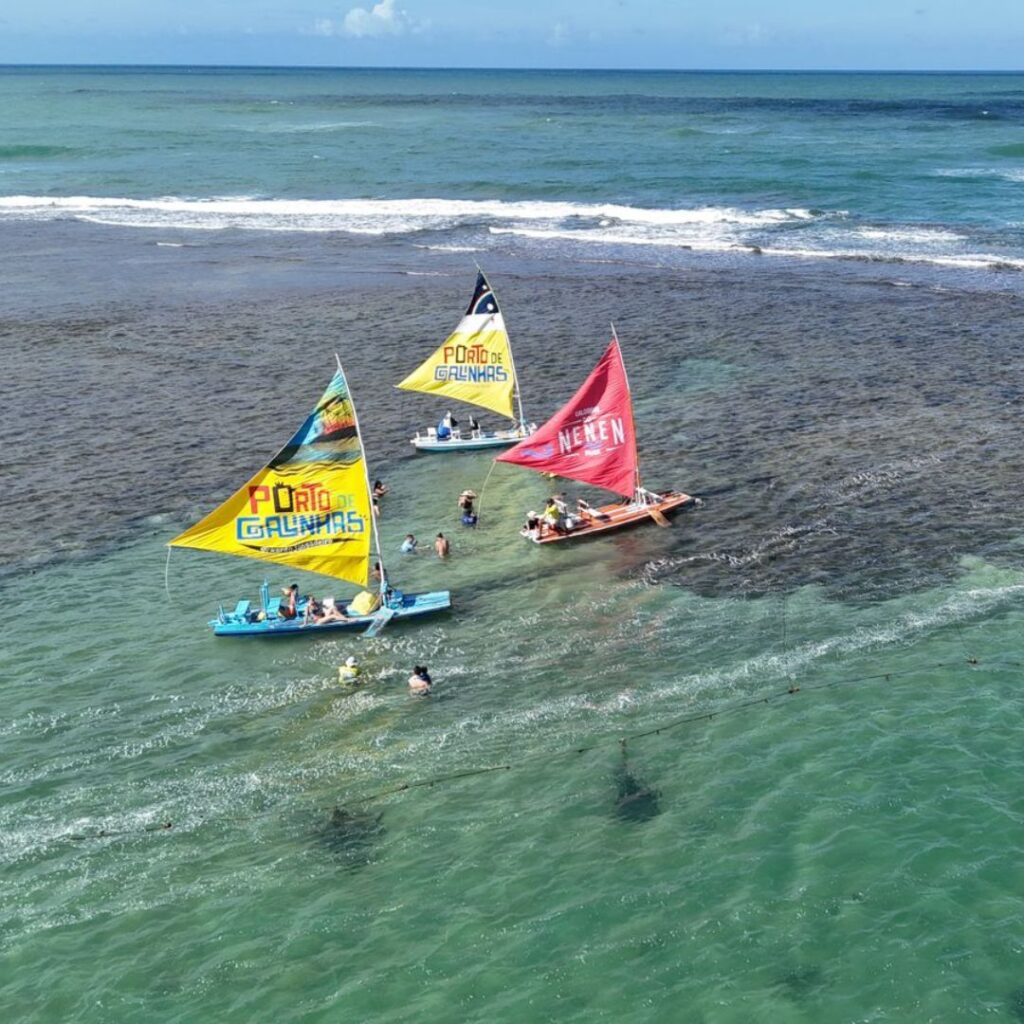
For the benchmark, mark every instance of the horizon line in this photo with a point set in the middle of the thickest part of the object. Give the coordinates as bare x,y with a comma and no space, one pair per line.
564,70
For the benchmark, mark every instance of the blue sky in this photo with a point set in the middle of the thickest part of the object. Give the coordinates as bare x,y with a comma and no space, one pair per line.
940,34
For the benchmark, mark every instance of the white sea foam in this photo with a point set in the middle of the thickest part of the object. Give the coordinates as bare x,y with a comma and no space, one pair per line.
789,232
998,173
913,236
379,216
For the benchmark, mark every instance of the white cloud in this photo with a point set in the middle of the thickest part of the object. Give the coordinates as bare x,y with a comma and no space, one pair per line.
383,19
321,27
558,35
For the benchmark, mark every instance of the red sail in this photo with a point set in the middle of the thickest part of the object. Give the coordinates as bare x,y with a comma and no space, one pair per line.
591,438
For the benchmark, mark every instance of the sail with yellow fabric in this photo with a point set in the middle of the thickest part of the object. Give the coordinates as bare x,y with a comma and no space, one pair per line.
309,508
475,366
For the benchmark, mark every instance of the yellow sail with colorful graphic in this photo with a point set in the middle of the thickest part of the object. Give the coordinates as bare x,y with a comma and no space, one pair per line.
310,508
474,364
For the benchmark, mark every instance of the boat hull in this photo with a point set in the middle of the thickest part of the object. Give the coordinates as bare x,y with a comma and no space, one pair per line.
477,441
617,517
413,606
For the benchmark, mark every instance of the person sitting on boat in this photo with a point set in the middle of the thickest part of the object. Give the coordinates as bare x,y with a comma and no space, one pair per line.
420,681
584,510
289,607
349,672
331,613
565,517
409,545
314,609
554,518
474,426
446,426
379,488
531,531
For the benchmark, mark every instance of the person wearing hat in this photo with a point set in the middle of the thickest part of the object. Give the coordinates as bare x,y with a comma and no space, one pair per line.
349,672
466,507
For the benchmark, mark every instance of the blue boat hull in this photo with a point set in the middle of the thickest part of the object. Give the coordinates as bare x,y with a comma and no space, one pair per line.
412,606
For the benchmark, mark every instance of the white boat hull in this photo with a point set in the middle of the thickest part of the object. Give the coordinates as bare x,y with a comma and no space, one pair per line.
478,440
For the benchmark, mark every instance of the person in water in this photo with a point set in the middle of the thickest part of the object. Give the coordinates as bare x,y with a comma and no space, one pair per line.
376,571
466,499
420,681
408,545
349,672
379,488
289,607
441,546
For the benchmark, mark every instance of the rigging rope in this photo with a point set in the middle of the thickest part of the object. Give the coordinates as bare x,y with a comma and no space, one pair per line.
605,742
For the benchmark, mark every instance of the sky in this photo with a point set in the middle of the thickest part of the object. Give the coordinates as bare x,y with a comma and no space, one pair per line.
741,34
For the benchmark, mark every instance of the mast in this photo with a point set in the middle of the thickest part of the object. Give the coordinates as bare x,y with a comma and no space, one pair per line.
511,358
632,421
369,489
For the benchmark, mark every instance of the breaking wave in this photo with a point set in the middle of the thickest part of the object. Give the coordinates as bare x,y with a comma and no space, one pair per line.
792,232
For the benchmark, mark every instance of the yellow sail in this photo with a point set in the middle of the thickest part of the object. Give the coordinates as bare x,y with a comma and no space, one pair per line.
474,364
310,508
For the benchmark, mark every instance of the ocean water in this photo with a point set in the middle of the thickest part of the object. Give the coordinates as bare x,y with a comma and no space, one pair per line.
761,766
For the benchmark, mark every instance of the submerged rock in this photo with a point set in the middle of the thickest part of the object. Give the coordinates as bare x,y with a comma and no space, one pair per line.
635,800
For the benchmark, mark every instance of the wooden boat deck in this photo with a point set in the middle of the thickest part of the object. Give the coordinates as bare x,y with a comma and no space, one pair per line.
616,517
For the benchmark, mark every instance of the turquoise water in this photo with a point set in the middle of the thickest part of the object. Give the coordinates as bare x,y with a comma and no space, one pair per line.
924,167
194,829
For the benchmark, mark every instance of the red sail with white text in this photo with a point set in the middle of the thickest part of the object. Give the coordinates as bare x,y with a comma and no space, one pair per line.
591,438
